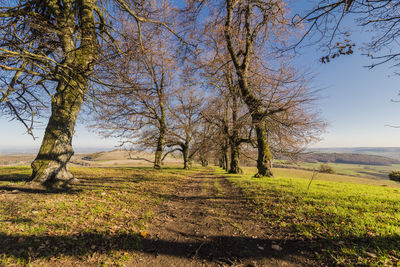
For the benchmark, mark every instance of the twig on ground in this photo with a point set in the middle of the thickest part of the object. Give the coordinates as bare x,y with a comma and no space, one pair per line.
314,174
197,250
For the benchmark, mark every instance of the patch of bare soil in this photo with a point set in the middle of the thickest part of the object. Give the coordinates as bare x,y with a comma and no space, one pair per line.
207,222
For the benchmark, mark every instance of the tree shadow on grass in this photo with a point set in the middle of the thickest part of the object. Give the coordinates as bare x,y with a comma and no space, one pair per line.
14,177
111,180
84,183
214,248
37,190
229,248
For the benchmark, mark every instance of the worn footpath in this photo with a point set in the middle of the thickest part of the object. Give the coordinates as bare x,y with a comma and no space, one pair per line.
208,222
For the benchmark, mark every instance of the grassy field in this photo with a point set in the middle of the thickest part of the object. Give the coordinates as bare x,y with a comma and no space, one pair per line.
354,221
100,221
97,222
357,169
304,174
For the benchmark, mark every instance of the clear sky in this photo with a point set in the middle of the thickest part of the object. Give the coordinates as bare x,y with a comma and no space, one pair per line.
356,102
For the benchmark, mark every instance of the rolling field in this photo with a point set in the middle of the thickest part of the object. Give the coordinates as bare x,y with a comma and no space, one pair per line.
349,178
371,171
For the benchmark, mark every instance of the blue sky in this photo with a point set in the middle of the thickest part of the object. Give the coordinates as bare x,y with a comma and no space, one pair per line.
356,102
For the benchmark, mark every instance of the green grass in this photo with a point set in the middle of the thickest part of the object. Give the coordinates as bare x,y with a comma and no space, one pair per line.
350,222
97,222
357,169
290,173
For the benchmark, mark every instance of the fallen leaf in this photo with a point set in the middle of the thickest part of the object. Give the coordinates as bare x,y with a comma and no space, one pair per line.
276,247
370,254
143,234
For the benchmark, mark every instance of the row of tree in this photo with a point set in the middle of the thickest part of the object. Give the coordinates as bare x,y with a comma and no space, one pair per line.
203,78
154,98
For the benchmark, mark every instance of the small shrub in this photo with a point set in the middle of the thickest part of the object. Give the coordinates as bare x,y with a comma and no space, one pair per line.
325,168
394,176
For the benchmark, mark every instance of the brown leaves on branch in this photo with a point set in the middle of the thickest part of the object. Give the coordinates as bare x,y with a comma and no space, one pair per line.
340,49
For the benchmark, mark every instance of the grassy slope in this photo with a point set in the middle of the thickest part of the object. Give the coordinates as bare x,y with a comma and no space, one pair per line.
350,222
358,169
294,173
98,222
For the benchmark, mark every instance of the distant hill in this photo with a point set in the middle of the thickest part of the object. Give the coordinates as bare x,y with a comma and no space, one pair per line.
350,158
390,152
34,150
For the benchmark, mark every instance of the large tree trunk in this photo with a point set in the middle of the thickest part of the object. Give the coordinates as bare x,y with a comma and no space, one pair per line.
158,155
185,153
221,162
235,151
264,161
80,56
50,166
204,162
162,129
159,149
225,160
234,138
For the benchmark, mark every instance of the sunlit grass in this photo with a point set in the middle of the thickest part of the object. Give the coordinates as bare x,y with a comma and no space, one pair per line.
357,169
353,222
290,173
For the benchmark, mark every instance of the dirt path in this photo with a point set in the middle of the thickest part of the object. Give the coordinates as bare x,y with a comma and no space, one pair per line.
207,222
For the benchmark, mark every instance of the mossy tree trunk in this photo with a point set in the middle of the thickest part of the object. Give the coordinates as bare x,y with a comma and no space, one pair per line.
162,127
50,166
159,153
185,154
224,155
265,159
234,140
225,160
160,145
235,154
241,58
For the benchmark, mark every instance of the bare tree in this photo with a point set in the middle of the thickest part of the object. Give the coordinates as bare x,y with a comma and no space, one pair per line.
252,30
49,48
185,123
247,25
204,142
48,51
134,108
226,110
